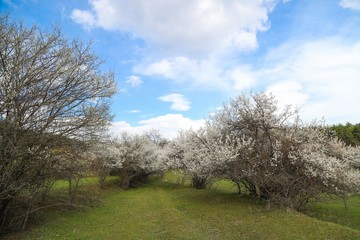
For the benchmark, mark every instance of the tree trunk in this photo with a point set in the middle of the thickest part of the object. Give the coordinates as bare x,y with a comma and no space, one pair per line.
199,183
237,185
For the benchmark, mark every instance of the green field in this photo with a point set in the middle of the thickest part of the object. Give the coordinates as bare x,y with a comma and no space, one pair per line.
163,209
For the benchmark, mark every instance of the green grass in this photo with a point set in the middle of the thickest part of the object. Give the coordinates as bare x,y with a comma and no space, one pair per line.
163,209
333,210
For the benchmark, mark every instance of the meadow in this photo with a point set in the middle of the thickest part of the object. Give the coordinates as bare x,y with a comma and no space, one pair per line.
165,209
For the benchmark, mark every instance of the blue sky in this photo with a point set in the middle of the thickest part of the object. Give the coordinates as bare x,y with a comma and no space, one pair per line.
177,61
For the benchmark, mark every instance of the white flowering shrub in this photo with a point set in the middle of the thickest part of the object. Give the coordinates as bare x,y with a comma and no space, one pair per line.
138,157
191,155
282,159
268,152
327,161
104,157
202,154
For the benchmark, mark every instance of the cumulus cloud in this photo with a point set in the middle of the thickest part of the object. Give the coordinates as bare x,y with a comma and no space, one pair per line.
134,81
206,73
350,4
242,78
178,101
168,125
322,77
288,93
181,69
189,41
84,18
196,38
192,27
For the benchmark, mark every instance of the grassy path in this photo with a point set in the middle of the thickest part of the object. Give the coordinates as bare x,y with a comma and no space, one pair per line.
164,210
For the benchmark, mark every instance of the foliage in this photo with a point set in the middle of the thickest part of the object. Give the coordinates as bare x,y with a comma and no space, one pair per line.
349,133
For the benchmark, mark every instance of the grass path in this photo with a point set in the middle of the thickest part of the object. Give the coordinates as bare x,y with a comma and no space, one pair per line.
164,210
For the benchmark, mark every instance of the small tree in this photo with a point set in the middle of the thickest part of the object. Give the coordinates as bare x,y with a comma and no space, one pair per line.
71,164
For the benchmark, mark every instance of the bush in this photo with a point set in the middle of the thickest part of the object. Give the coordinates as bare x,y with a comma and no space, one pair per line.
132,158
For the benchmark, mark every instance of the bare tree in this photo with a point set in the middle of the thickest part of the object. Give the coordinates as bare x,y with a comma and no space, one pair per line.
50,89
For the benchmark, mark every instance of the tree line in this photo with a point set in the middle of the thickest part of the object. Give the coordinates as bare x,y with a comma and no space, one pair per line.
349,133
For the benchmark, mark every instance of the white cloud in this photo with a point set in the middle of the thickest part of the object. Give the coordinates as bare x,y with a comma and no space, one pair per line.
84,18
189,41
179,102
245,40
206,73
194,42
322,77
350,4
191,27
168,125
288,93
168,68
135,111
242,77
134,81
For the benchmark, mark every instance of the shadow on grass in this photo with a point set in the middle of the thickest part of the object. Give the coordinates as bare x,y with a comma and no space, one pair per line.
217,194
225,193
332,209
